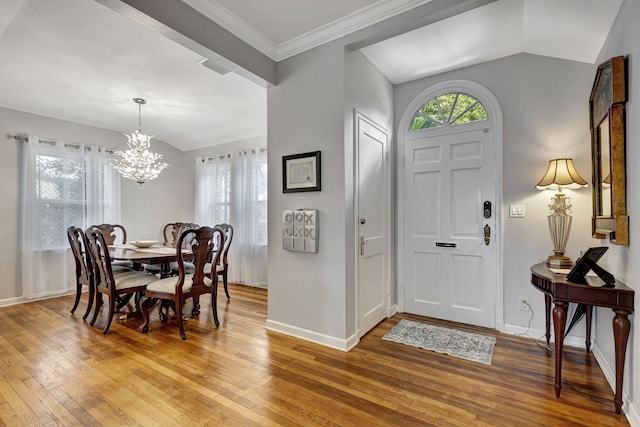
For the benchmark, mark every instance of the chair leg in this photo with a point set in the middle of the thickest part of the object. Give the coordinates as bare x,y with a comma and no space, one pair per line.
90,303
196,306
145,304
122,300
78,293
96,310
112,311
214,304
224,281
178,310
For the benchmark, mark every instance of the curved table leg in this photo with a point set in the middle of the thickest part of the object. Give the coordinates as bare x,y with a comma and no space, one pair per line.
621,326
559,323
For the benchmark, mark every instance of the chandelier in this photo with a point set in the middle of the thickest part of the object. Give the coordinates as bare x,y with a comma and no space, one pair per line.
138,163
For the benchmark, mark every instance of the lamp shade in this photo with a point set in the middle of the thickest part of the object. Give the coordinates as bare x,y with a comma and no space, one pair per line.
561,173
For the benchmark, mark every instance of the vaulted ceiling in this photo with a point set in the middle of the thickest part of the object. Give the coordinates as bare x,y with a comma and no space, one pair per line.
81,61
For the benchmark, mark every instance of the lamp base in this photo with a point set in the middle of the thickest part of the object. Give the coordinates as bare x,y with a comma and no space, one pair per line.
559,261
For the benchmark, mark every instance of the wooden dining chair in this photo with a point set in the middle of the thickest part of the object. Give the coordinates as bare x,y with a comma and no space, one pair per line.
84,270
113,233
106,281
222,268
170,234
199,243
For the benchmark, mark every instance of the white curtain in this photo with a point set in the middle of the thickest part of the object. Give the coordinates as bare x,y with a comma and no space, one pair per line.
61,185
232,188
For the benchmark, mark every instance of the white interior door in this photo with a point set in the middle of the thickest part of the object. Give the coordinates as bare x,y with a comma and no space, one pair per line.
373,224
450,273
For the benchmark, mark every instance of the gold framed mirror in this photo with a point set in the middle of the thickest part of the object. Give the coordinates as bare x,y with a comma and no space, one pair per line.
606,107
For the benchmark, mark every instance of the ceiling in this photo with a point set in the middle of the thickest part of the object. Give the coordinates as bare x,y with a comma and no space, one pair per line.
81,61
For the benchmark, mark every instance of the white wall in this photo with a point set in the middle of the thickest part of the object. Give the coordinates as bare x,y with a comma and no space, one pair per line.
545,111
144,211
623,260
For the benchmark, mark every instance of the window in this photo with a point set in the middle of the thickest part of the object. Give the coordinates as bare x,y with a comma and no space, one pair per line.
61,185
232,188
448,110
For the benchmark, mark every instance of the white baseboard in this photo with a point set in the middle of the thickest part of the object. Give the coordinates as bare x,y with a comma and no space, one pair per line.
629,409
537,334
315,337
12,301
392,310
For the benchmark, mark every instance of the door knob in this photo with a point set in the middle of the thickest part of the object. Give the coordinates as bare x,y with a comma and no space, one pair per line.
487,234
362,243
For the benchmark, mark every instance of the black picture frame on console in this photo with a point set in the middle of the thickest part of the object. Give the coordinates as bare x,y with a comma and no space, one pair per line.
589,261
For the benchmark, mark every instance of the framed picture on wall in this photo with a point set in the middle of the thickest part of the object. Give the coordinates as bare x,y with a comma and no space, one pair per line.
301,172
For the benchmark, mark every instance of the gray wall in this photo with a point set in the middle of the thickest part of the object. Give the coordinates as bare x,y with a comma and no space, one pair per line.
545,111
306,113
311,108
623,260
144,211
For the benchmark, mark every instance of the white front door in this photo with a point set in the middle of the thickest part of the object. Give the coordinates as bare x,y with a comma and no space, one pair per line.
449,270
373,224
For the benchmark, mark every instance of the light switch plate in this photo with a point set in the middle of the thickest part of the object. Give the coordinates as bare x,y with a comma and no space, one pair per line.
516,211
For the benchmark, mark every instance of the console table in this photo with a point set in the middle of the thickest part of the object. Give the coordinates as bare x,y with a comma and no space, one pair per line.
618,297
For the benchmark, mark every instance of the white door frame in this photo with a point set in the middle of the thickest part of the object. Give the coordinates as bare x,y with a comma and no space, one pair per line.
491,105
356,211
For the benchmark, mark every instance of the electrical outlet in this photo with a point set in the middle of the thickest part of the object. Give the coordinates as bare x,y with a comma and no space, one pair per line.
524,303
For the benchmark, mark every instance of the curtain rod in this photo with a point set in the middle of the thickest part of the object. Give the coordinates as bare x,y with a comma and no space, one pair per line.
53,143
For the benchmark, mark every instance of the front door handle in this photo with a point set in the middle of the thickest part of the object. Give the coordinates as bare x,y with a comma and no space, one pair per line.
362,243
487,234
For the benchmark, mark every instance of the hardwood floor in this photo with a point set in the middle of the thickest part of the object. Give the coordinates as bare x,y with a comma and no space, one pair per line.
55,369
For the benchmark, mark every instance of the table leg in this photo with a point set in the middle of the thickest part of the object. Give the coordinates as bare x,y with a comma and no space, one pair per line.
621,326
588,313
559,323
547,318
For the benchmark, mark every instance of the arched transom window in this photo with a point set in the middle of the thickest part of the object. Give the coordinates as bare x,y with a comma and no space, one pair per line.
448,109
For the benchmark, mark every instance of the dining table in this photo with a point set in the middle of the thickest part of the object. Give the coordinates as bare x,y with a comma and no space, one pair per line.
163,254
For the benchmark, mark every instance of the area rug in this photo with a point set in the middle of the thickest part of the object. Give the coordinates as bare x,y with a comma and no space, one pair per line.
465,345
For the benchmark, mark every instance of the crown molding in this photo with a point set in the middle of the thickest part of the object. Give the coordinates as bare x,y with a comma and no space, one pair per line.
348,24
235,25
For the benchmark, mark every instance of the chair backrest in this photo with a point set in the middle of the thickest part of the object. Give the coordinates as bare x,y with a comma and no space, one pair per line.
228,237
201,243
113,233
171,232
77,241
100,260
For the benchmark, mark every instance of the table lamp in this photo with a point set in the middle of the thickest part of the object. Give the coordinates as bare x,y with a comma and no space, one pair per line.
560,174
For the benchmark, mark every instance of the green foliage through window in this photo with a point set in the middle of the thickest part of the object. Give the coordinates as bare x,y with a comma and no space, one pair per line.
451,109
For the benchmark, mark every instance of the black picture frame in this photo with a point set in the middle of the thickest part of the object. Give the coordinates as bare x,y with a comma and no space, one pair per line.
589,261
301,172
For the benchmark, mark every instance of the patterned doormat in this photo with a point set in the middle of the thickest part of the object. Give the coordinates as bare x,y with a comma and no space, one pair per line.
465,345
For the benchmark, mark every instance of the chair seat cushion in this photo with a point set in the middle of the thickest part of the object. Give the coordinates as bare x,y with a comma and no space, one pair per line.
119,269
168,285
219,268
132,279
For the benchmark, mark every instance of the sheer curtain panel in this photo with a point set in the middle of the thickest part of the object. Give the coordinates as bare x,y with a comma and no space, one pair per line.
61,185
232,188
